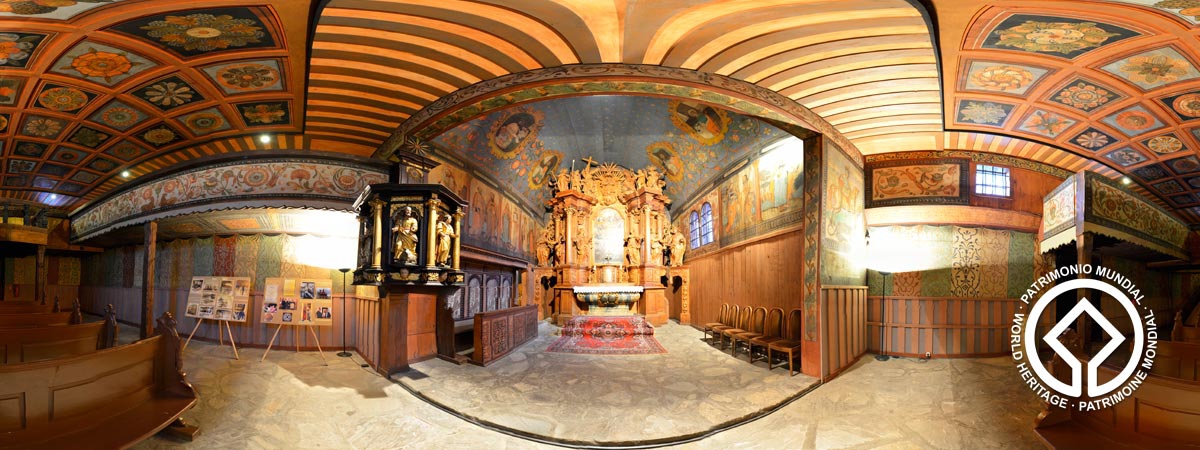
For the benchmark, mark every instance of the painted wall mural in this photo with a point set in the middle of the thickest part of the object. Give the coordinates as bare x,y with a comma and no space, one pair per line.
1058,210
689,142
1056,36
909,182
493,221
1115,208
961,262
843,222
231,181
765,195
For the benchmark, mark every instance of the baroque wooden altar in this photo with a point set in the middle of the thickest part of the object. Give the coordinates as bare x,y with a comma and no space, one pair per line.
609,226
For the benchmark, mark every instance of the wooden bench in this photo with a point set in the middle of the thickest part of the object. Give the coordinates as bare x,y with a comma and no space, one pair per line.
497,333
75,316
24,308
107,399
42,343
1178,360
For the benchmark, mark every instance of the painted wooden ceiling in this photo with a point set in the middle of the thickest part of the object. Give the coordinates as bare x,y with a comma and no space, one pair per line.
89,88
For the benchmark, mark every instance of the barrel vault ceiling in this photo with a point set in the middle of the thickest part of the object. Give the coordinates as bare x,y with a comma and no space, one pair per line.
92,88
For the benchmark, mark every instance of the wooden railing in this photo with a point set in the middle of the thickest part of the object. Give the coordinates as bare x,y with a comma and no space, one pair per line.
497,333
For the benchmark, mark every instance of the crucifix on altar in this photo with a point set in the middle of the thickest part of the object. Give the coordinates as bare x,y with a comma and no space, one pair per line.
606,240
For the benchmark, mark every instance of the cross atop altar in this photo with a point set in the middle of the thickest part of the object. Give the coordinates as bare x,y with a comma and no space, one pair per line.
609,230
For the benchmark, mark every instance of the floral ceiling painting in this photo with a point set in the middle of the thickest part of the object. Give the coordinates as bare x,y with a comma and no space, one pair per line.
1113,81
50,9
98,87
197,32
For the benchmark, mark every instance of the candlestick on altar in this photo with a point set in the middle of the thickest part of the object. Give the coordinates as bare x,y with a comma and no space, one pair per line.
572,165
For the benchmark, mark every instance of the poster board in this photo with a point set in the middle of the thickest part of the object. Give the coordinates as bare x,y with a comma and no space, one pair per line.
219,298
297,301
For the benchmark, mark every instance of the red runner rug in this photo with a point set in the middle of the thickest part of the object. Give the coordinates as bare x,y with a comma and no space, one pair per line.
615,335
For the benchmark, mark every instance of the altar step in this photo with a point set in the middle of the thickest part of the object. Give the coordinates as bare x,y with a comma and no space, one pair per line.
607,326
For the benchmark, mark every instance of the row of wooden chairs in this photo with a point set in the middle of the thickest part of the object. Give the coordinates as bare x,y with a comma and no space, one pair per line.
749,327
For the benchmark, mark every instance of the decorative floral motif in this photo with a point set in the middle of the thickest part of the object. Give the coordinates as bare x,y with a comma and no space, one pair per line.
102,165
43,127
3,122
1133,121
101,64
1002,78
1054,37
15,48
1046,123
205,32
1164,144
38,7
68,155
1150,173
205,122
88,137
1169,187
125,151
30,149
1084,96
984,113
1187,105
10,90
160,136
63,99
119,117
264,113
247,77
1125,157
1092,139
1158,69
169,94
227,181
1185,165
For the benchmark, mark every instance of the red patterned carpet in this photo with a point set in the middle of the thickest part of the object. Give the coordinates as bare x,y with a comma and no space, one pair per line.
616,335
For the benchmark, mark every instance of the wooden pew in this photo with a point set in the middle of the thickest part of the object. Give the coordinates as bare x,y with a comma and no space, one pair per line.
75,316
1178,360
42,343
497,333
24,308
107,399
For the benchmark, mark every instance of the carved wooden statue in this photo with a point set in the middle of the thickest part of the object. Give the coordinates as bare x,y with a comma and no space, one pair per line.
406,230
445,232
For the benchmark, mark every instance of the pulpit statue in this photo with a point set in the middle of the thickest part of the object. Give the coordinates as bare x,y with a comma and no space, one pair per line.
445,233
406,227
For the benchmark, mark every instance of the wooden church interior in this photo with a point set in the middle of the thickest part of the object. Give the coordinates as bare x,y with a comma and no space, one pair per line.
756,198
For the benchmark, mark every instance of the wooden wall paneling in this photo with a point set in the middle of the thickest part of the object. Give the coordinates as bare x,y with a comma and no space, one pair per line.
767,272
942,326
1029,189
843,325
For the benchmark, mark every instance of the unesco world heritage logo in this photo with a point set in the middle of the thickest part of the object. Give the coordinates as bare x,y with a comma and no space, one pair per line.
1083,391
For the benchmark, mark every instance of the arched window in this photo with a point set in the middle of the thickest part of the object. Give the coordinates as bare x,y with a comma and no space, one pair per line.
694,226
706,225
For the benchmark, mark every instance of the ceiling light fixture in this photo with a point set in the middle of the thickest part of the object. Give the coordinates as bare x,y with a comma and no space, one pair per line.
125,174
53,197
1126,180
266,139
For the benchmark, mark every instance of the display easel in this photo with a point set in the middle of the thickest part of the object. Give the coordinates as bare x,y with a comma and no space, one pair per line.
316,339
220,337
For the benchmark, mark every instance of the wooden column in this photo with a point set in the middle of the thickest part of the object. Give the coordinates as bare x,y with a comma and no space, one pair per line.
1083,255
148,260
39,282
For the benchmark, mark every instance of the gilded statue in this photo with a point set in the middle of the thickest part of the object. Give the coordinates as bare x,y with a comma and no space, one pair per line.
633,251
639,180
654,180
445,232
678,247
563,180
405,229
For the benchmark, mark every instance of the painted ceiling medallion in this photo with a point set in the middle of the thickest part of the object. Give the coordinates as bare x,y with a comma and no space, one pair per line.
1164,144
265,113
247,76
15,48
1186,106
99,63
169,93
49,9
1125,157
205,122
3,122
512,131
125,151
706,124
1046,123
160,136
119,116
195,33
89,137
62,99
1134,121
43,127
1084,96
983,113
1053,35
10,90
1154,68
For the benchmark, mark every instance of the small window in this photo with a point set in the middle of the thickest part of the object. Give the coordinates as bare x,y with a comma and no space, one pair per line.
992,180
706,225
694,236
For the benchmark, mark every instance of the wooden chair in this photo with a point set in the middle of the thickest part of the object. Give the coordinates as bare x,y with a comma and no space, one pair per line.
743,322
708,327
791,342
772,331
727,322
757,321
